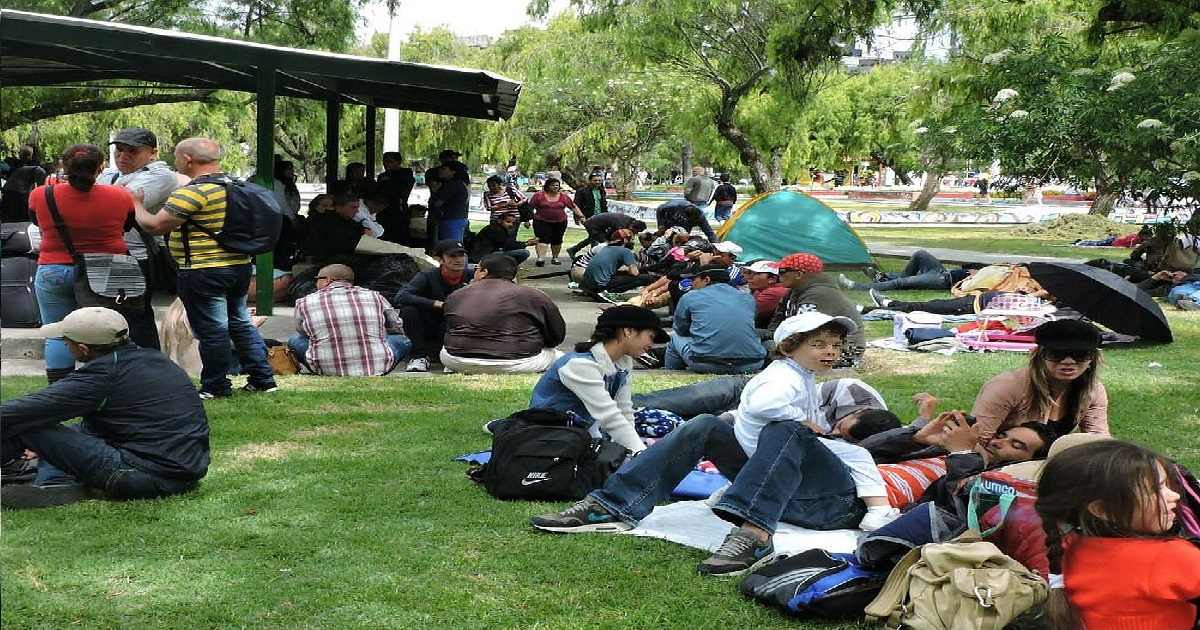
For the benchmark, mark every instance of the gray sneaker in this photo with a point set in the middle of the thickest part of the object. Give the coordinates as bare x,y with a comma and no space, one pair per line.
586,516
742,551
844,282
1188,304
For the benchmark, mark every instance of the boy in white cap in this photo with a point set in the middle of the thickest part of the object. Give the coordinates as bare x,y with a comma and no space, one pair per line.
781,470
144,432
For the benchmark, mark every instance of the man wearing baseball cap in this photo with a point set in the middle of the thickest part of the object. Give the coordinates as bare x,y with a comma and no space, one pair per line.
809,289
144,432
713,330
762,277
422,300
136,167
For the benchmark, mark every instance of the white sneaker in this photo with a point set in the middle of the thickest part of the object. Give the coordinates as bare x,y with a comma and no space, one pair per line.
878,517
419,364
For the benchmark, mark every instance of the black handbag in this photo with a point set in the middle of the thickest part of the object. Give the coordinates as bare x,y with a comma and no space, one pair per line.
110,280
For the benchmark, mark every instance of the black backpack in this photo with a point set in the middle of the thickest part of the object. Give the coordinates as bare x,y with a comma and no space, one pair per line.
815,583
548,455
253,218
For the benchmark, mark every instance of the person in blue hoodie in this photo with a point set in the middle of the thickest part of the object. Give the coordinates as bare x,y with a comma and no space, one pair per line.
593,382
714,327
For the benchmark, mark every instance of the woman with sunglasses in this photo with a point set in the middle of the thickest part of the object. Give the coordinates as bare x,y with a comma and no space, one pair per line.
1060,387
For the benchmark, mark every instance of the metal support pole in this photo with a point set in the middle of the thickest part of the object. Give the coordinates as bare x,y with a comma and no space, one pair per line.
264,264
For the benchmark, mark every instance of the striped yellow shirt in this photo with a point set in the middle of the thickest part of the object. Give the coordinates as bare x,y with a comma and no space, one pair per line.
204,204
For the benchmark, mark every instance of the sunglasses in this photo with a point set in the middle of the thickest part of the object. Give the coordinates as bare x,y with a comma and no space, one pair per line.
1056,356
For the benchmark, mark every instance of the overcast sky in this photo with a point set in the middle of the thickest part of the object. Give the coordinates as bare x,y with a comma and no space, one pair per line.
463,17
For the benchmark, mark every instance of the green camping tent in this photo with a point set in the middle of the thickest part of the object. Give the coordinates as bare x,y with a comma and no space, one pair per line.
773,225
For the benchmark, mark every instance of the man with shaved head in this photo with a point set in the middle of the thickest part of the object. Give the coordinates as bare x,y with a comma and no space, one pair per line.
213,281
344,330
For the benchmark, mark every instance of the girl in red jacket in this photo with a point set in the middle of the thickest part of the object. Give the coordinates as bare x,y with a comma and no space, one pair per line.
1109,510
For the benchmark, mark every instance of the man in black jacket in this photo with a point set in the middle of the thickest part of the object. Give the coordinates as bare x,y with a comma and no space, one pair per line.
498,237
421,302
144,432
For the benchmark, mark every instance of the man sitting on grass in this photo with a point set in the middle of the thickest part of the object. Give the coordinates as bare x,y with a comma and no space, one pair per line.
144,432
614,268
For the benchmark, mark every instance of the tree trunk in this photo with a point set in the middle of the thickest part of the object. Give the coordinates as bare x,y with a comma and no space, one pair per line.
747,152
1105,203
685,160
933,183
777,165
625,178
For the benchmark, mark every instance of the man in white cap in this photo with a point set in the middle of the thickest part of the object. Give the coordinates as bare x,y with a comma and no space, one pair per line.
762,278
144,432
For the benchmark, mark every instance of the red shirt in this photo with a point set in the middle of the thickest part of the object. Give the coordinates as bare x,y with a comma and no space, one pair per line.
95,220
766,301
551,211
1132,583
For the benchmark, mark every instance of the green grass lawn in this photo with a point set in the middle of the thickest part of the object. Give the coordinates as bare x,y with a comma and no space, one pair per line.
998,240
335,503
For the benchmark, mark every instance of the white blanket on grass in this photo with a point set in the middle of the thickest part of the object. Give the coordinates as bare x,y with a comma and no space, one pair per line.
692,523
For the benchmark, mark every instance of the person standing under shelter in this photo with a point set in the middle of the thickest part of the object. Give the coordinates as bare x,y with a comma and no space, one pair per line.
344,330
591,200
137,167
698,190
496,326
713,329
213,281
144,432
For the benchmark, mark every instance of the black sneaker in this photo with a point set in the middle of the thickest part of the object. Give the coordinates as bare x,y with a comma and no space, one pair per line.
207,395
261,388
19,470
584,516
880,300
650,360
30,496
873,273
742,551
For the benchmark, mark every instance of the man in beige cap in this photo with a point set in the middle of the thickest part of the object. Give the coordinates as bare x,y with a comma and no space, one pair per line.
144,432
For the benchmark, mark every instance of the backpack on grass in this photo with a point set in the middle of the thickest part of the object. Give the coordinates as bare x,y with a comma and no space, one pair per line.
548,455
253,218
964,584
815,583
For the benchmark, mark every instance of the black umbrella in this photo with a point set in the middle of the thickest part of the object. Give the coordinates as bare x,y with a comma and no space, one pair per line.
1104,297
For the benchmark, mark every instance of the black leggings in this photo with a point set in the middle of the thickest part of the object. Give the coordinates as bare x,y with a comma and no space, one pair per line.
549,233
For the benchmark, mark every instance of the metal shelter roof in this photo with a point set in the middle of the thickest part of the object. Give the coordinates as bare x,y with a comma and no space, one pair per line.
38,49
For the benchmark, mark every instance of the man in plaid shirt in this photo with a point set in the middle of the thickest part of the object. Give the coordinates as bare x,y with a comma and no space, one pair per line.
344,330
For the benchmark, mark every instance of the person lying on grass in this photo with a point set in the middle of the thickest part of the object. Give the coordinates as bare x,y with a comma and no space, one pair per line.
781,470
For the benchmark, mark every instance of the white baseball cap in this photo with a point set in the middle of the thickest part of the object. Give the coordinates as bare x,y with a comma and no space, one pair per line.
764,266
729,247
811,320
93,325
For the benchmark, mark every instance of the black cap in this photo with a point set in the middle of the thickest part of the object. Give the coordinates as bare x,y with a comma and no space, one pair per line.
713,271
136,137
447,247
637,317
448,154
1067,334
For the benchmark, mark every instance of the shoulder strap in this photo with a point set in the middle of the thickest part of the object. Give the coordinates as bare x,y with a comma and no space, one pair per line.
58,220
888,604
1006,501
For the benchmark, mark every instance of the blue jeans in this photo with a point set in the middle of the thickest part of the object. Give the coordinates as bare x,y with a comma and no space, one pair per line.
1189,290
713,396
724,211
519,255
923,271
679,356
215,301
54,286
452,229
791,477
68,456
399,344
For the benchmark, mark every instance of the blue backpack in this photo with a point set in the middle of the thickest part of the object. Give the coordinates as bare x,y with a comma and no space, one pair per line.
815,583
253,218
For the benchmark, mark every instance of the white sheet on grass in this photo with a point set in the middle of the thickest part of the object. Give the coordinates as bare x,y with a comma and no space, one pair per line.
692,523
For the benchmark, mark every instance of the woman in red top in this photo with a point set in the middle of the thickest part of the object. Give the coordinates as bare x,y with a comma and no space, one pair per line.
550,219
96,216
1108,509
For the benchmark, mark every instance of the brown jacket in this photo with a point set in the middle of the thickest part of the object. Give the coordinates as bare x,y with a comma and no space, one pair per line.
498,319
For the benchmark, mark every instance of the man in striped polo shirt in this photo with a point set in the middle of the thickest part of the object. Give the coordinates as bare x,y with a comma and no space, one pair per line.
212,281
